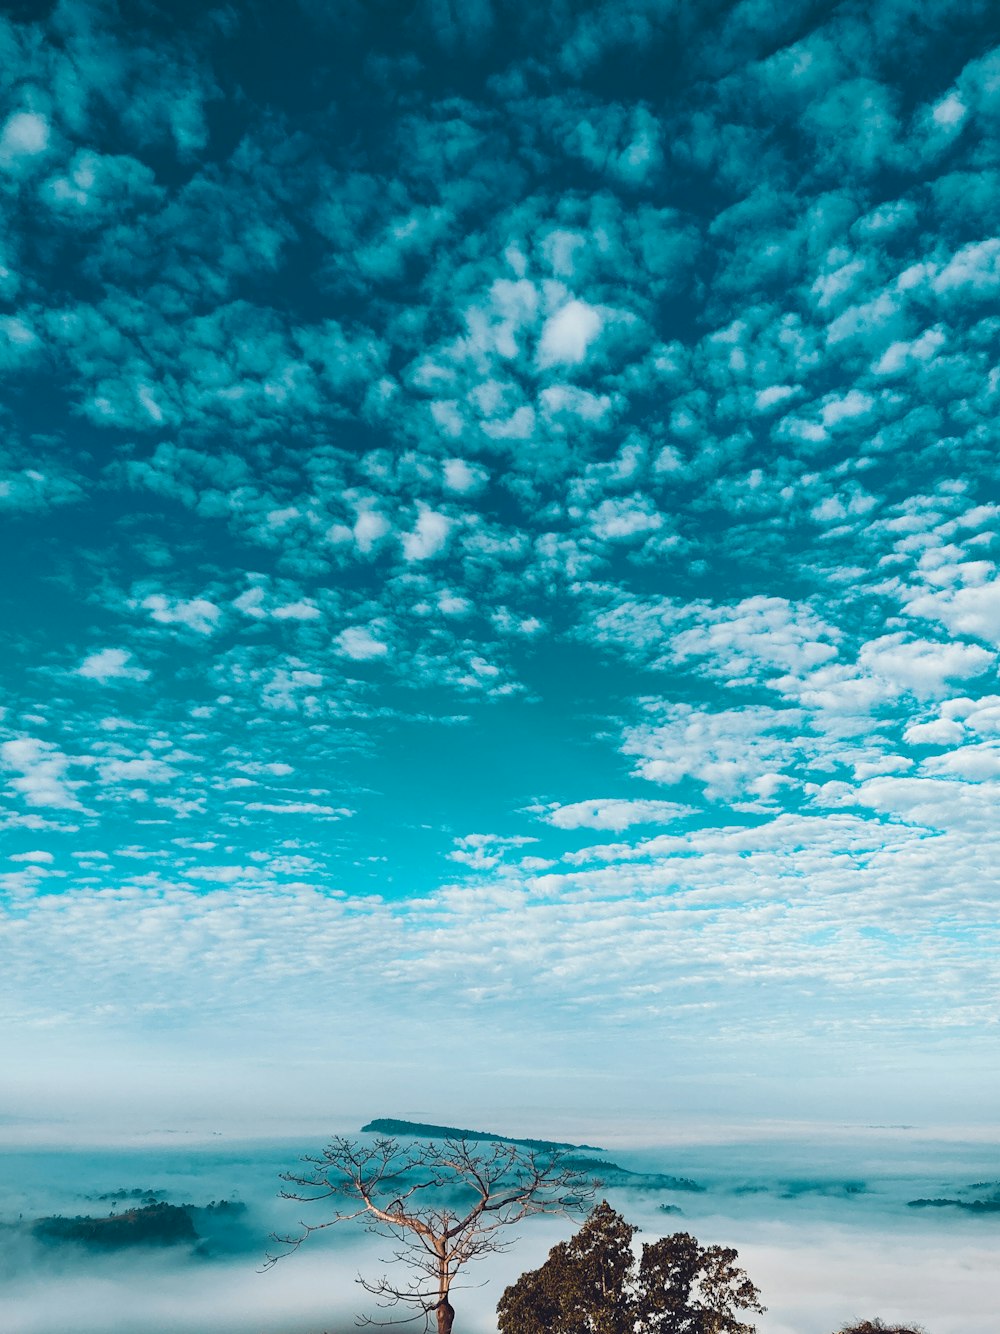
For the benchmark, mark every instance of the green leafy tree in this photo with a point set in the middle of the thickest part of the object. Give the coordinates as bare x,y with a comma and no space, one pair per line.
579,1288
593,1284
685,1288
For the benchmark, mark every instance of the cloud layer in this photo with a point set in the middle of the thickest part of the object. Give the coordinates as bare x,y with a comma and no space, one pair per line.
502,510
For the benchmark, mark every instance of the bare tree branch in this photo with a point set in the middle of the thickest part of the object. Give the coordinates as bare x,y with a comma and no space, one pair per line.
442,1202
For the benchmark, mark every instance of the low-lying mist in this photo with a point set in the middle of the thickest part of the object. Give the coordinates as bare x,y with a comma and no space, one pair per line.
825,1231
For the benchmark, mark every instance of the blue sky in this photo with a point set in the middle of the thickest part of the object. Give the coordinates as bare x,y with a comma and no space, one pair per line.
500,514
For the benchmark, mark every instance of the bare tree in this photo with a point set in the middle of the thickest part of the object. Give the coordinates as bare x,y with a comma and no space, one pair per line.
444,1203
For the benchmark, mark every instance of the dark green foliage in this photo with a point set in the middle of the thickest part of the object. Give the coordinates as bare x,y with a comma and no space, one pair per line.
154,1225
535,1303
223,1208
877,1326
579,1288
137,1193
684,1288
970,1206
592,1284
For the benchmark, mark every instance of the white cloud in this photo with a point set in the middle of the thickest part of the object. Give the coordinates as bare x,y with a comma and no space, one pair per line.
837,690
773,395
899,355
20,336
951,110
975,763
429,537
303,610
568,334
727,751
829,286
147,399
196,614
935,803
921,665
41,858
251,603
975,266
753,638
618,520
569,400
451,604
982,715
144,769
611,813
481,852
852,404
40,768
972,610
225,875
25,135
831,509
369,528
282,691
111,664
463,478
520,425
358,642
940,732
298,808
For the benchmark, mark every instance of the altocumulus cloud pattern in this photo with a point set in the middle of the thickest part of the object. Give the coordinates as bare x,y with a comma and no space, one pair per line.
500,506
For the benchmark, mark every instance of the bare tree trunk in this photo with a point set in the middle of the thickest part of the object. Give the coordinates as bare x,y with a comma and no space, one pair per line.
444,1310
445,1315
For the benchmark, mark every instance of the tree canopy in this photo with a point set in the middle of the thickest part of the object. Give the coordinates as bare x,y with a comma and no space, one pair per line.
878,1326
593,1284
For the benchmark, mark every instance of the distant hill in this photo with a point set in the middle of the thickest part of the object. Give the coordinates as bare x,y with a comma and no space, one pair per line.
385,1125
610,1174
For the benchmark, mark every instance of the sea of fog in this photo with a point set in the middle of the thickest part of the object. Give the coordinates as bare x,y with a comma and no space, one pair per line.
822,1225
